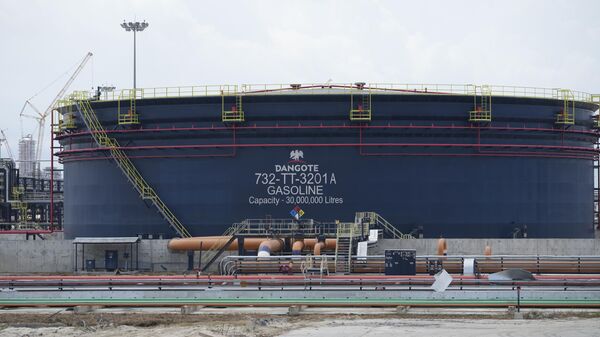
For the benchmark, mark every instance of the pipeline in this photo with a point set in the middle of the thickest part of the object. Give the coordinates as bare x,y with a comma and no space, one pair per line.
442,247
318,247
236,265
212,242
269,246
204,243
297,247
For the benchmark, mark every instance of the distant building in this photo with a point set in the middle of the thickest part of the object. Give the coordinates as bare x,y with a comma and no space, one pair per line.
46,174
27,163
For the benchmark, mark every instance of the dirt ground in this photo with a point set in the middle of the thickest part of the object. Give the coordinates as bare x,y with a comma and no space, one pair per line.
306,325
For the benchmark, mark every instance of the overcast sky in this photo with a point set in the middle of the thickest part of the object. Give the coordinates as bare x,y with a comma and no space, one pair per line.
525,43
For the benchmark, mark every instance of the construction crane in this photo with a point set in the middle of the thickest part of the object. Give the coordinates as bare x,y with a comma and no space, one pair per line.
4,140
41,116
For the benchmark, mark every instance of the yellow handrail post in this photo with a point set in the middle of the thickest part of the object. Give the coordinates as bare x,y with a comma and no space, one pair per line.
567,115
482,104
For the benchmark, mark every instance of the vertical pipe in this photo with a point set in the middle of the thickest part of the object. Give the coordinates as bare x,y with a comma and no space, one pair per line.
200,257
137,255
597,182
131,256
51,171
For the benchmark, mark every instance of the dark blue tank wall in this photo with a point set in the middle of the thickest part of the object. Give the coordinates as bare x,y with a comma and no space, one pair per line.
447,184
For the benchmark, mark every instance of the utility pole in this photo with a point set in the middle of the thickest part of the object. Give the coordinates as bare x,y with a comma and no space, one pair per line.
134,27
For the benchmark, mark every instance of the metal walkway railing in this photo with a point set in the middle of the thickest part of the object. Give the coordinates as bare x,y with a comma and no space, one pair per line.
336,88
376,220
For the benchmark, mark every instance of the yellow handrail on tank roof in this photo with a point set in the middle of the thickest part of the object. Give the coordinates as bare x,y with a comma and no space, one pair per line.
333,88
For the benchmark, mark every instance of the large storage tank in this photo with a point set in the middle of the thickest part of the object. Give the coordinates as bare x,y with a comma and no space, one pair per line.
419,156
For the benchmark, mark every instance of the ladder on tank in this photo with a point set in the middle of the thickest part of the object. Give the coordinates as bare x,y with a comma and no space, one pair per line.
233,113
482,105
567,115
360,104
132,174
131,117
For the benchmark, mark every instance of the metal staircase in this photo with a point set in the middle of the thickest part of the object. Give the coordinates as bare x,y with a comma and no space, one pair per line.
214,252
346,233
372,219
81,102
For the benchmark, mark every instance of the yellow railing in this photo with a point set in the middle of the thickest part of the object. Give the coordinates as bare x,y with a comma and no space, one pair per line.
377,220
232,111
350,229
480,116
482,104
567,115
65,120
360,106
18,204
335,88
130,116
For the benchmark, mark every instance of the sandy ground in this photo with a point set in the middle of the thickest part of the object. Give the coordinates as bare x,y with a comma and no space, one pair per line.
451,328
138,325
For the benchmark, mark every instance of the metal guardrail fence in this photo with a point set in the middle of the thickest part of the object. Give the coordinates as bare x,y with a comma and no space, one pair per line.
334,88
233,265
286,227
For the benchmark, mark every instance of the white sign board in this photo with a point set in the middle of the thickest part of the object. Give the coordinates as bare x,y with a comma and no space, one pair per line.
442,281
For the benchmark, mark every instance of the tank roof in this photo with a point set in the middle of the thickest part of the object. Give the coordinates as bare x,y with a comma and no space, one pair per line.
340,88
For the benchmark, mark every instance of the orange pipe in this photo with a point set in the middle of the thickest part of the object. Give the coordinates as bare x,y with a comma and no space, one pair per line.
212,242
297,247
329,243
487,251
318,247
269,246
442,247
217,242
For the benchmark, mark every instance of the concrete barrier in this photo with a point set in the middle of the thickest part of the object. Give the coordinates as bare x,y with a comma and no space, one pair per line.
58,256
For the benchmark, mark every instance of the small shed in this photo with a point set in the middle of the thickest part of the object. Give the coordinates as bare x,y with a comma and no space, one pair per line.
110,255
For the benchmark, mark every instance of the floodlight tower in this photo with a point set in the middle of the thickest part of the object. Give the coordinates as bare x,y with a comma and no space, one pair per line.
134,27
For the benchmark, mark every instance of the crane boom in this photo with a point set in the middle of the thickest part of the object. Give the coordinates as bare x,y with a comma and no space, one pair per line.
5,140
48,111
